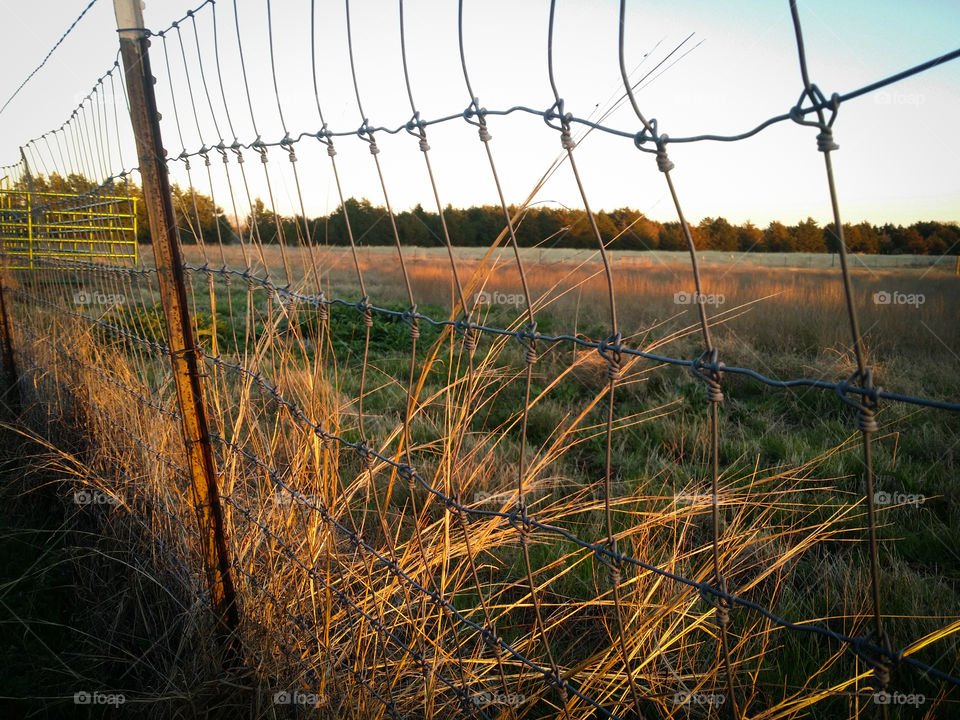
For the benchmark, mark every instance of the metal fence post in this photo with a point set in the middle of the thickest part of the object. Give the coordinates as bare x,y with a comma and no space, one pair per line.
183,350
10,394
29,192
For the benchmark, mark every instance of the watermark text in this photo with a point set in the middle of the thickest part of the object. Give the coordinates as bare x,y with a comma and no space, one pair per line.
84,697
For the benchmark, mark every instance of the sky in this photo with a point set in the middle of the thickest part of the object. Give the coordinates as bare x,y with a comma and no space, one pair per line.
899,148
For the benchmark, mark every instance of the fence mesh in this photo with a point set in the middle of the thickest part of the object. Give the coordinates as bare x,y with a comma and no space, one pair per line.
434,501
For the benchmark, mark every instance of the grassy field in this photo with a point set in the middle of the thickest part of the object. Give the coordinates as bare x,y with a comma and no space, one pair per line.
792,509
790,458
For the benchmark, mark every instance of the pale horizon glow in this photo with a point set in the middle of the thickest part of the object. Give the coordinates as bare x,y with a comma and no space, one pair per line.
898,148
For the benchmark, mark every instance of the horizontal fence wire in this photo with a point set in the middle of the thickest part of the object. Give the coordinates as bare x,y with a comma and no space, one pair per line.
406,537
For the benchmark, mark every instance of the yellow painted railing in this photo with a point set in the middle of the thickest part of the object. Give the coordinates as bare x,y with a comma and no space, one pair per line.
49,229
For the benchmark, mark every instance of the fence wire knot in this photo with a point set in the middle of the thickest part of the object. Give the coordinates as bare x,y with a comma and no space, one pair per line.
415,126
825,141
866,407
528,339
489,635
409,316
606,553
555,112
323,308
261,148
610,350
819,102
720,605
708,369
664,164
614,573
470,339
466,328
474,110
875,651
366,455
520,521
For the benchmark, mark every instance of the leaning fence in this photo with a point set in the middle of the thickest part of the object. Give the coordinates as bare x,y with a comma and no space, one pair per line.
397,496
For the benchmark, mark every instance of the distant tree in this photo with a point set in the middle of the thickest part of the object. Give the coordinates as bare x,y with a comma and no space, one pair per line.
637,232
550,226
260,223
671,237
912,242
749,237
936,245
869,238
718,234
482,225
607,228
776,238
198,218
413,229
808,237
860,238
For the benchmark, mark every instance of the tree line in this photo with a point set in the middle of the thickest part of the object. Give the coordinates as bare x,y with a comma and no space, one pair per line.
537,226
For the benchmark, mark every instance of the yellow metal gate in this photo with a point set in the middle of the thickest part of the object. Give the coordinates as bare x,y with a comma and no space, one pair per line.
49,229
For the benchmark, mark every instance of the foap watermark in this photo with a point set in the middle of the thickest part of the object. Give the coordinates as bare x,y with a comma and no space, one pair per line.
898,698
84,697
100,96
485,297
884,297
886,97
485,699
618,488
295,697
882,497
93,297
699,698
482,497
695,298
286,498
93,497
686,498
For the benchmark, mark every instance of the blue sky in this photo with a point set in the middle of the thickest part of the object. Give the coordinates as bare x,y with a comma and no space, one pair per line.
898,155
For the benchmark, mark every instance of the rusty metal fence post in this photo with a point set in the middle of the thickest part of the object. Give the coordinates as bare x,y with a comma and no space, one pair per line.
183,351
10,395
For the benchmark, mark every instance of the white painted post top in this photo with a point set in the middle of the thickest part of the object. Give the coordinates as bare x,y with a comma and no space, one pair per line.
129,17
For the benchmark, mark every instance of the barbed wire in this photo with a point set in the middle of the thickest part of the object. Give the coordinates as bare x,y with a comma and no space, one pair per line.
48,55
526,335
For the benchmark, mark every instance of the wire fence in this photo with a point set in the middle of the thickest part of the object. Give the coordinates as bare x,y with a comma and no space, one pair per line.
421,518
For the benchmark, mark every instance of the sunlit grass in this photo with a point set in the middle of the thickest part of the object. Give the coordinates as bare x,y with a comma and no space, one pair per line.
313,604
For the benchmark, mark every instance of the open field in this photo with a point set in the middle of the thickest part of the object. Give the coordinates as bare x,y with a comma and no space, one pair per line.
766,317
653,258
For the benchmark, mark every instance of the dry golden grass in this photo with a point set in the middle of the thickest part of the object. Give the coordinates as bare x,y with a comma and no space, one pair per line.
323,609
